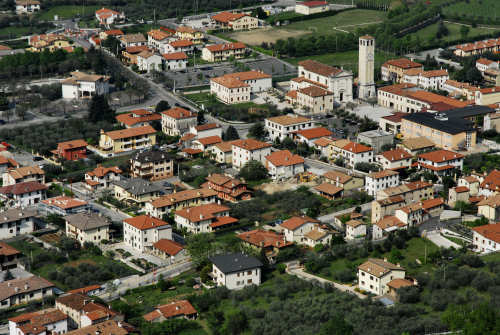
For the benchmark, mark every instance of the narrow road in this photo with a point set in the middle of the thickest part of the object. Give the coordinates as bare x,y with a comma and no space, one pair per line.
329,218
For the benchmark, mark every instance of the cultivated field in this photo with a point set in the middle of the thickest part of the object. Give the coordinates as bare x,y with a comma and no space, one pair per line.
480,9
67,12
345,22
428,33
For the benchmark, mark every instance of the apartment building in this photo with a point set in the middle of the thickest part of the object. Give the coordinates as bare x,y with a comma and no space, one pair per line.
352,152
283,164
24,290
244,151
376,139
175,61
312,98
375,275
22,175
477,48
157,39
377,181
311,7
204,218
179,200
142,231
23,194
9,257
185,46
148,61
129,139
177,121
394,69
188,33
49,321
152,165
235,21
486,238
102,177
347,182
283,126
395,159
440,162
428,80
136,190
385,207
235,88
87,227
222,52
235,271
416,145
82,85
133,40
411,192
63,205
51,42
228,188
27,6
17,221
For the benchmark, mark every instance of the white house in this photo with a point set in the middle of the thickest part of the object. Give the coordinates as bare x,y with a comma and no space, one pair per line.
235,271
483,64
175,61
428,80
132,40
486,238
311,7
48,321
309,136
354,229
16,221
24,290
82,85
244,151
490,185
23,194
158,39
237,87
386,225
22,175
354,153
394,159
204,218
377,181
305,230
87,227
177,121
284,126
27,6
283,164
63,205
440,162
107,16
149,61
185,46
141,232
375,274
102,177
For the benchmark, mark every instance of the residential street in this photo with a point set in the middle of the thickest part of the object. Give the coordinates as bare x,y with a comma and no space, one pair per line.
328,218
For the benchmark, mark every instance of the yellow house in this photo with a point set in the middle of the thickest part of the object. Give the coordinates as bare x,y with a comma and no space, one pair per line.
343,180
490,208
116,141
49,41
188,33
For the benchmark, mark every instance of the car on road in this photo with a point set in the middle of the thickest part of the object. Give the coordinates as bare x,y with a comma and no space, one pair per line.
37,158
2,122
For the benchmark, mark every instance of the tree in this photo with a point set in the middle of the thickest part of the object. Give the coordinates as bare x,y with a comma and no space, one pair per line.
442,30
162,106
21,110
235,323
230,134
464,31
336,326
200,118
253,171
200,247
259,13
99,110
257,131
474,76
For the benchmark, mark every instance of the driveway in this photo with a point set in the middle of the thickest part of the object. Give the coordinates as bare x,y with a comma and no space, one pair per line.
435,237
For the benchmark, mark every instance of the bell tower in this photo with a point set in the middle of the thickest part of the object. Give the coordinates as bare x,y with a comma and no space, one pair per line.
366,74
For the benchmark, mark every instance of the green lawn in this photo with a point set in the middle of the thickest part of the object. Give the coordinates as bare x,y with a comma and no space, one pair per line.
429,33
14,32
67,12
348,20
480,9
347,59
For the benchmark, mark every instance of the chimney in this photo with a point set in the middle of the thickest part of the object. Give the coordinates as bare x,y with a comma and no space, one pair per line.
16,289
26,286
177,308
385,259
8,284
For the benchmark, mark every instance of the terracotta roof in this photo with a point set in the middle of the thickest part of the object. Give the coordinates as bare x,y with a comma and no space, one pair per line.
418,143
86,289
492,201
71,144
21,188
114,32
8,161
251,144
389,222
313,133
292,94
202,212
101,171
398,283
238,79
169,247
75,301
356,148
440,156
432,203
378,267
489,231
186,29
7,250
366,37
314,91
408,187
490,90
391,200
471,179
179,113
382,174
403,63
415,207
133,38
284,158
181,43
226,146
109,327
323,141
35,322
328,188
461,189
476,199
335,175
297,221
222,221
136,49
170,199
144,222
209,140
175,56
313,3
395,117
396,155
187,137
413,72
227,17
64,202
492,181
288,120
158,34
397,88
22,286
25,171
319,68
354,223
230,82
207,126
191,151
316,234
174,309
226,46
264,239
133,118
434,73
223,180
306,80
130,132
430,97
106,11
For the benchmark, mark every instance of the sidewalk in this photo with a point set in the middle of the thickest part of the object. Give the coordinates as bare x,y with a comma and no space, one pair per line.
299,272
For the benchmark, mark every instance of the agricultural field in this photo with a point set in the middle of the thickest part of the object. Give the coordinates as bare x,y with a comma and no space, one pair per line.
346,21
347,59
14,32
481,10
67,12
429,33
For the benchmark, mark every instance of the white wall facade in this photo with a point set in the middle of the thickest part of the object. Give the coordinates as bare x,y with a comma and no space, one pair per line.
236,280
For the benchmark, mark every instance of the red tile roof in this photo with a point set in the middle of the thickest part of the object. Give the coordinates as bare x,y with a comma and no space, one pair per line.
264,239
297,221
181,43
175,56
114,32
492,181
64,202
403,63
129,119
356,148
396,117
382,174
313,3
319,68
226,17
144,222
328,188
226,46
489,231
396,155
313,133
101,171
314,91
440,156
202,212
174,309
168,246
461,189
222,221
7,250
210,140
284,158
179,113
21,188
130,132
86,289
251,144
432,203
72,144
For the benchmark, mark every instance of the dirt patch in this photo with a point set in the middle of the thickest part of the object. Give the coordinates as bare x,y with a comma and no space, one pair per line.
81,261
50,238
271,188
268,35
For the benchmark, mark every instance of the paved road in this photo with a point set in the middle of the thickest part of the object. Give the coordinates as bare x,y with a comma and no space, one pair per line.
319,167
435,237
329,218
112,214
299,272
